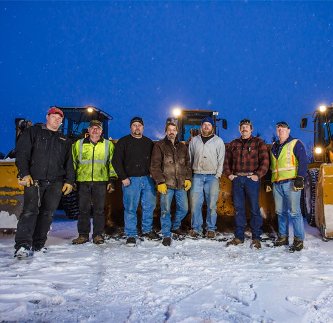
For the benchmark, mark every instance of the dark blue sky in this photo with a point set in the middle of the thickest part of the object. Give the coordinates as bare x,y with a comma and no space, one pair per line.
261,60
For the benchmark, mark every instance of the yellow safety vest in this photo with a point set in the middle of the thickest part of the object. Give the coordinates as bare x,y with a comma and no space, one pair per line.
285,167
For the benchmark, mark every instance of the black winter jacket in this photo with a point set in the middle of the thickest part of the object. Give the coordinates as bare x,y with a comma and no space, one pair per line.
45,155
170,164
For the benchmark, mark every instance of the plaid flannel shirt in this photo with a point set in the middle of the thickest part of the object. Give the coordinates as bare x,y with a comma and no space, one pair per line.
248,156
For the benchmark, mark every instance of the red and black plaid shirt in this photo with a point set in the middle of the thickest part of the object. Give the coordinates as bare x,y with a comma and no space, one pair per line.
246,156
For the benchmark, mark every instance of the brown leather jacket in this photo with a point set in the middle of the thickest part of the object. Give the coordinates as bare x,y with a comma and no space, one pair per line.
170,164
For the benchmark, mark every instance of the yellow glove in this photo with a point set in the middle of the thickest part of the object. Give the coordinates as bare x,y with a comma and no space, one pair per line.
187,184
26,181
162,188
67,188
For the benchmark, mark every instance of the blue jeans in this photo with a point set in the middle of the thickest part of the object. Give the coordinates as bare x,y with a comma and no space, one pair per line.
141,188
181,210
287,201
208,186
245,189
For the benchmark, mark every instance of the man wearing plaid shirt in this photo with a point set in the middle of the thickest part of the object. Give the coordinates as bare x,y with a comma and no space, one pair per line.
246,161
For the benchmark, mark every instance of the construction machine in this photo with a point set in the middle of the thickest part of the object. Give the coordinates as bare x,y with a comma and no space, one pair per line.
318,190
75,124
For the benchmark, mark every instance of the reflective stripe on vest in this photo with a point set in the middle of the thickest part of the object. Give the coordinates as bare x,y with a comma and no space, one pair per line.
98,161
285,167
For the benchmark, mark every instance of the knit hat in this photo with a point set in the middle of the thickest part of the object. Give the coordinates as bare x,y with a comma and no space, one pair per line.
136,119
245,121
208,119
95,123
55,110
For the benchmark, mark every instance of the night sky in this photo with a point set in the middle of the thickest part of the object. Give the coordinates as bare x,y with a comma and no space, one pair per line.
260,60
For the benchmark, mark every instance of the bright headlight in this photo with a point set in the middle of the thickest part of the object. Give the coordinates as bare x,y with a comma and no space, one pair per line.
318,150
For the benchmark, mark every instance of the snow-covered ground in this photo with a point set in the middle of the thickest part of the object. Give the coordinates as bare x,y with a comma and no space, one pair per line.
191,281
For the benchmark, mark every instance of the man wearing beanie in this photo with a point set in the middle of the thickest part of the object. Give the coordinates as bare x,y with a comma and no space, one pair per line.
246,161
131,161
207,155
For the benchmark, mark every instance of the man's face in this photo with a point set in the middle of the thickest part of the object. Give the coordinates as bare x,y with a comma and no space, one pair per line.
95,133
136,129
245,131
171,132
207,129
53,121
282,133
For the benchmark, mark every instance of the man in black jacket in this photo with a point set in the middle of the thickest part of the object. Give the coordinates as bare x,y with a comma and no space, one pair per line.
45,169
131,161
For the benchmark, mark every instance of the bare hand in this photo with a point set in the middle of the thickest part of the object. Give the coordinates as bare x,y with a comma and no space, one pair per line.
254,177
26,181
126,182
231,177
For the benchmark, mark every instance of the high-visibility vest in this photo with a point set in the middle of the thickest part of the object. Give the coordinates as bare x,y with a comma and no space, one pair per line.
93,162
286,165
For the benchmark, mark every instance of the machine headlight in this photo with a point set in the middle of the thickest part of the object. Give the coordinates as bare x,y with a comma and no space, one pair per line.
318,150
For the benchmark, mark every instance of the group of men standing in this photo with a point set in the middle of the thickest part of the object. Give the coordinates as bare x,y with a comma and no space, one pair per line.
48,165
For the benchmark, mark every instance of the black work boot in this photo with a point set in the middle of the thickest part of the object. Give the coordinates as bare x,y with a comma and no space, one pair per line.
166,241
152,235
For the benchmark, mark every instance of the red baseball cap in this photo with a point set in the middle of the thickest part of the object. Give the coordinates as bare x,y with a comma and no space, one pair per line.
55,110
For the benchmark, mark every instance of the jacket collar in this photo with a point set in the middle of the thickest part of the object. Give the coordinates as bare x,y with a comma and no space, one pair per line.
169,141
86,140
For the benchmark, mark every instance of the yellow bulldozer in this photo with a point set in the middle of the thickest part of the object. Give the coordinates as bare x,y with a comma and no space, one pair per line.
318,190
75,124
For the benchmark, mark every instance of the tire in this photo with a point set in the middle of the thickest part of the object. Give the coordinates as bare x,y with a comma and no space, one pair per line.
310,195
70,204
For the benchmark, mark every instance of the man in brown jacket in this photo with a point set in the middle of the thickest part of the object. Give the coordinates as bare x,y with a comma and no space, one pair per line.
171,170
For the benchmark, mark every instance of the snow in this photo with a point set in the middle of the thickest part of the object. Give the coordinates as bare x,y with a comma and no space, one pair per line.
191,281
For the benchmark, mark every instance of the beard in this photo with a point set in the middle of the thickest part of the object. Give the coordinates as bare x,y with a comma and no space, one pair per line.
207,133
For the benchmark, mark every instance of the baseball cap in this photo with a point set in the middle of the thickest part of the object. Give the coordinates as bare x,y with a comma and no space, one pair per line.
95,123
55,110
282,124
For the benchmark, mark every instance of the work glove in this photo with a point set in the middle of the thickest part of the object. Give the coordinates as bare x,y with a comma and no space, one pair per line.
268,186
162,188
111,186
67,188
299,183
26,181
187,184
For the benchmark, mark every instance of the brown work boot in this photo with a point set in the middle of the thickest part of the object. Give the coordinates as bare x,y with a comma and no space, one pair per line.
98,239
281,241
82,238
210,235
256,244
234,242
297,245
194,234
166,241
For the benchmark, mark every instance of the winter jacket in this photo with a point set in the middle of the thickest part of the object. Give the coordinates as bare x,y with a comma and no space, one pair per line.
45,155
92,162
170,163
132,156
245,156
207,158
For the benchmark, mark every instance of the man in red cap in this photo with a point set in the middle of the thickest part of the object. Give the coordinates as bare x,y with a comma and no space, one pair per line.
45,169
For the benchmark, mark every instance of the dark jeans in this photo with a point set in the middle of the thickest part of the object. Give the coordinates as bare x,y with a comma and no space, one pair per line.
245,189
34,223
91,197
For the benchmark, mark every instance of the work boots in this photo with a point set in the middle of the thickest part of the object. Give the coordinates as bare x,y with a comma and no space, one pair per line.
98,239
234,242
297,245
210,235
256,244
82,238
166,241
281,241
